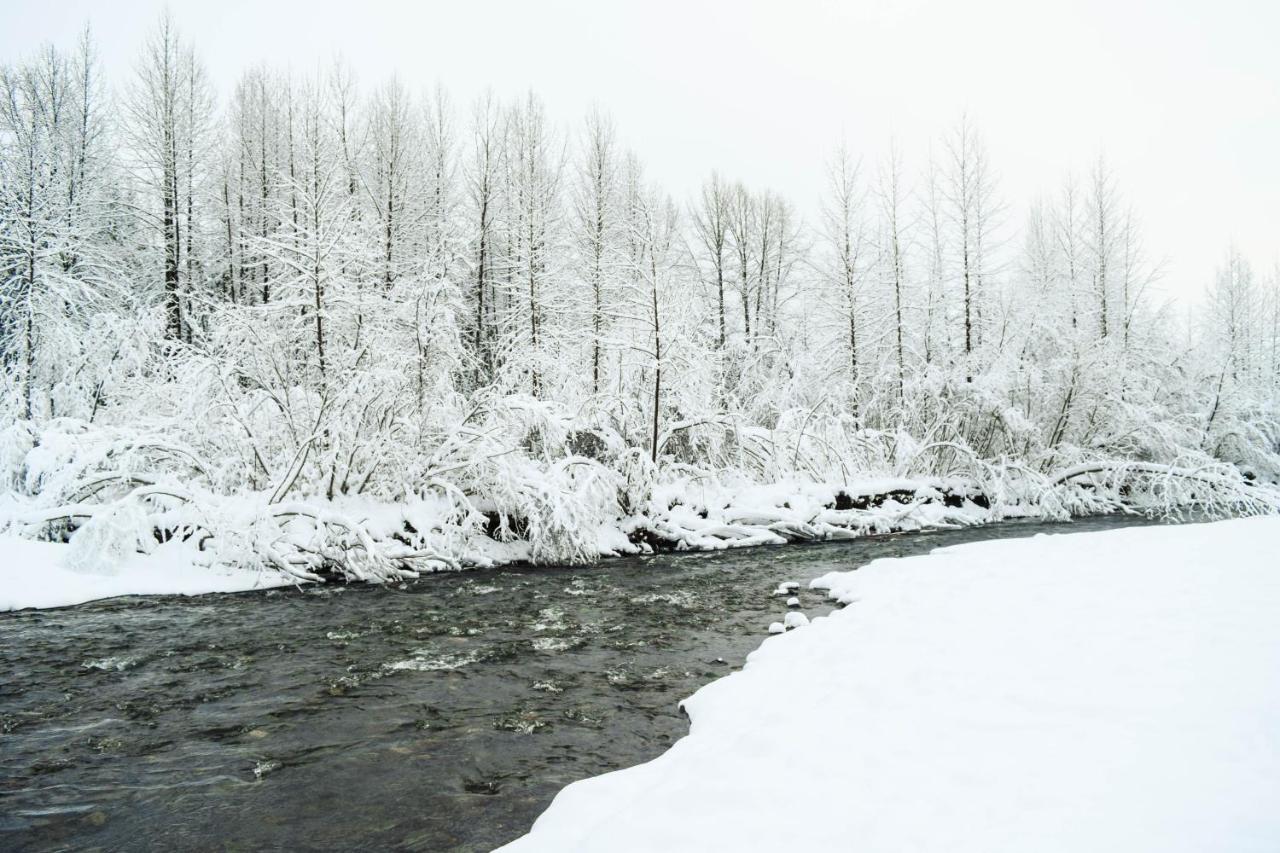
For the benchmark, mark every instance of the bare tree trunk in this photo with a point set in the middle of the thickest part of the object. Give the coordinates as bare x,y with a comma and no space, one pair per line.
29,354
389,239
232,272
720,297
265,191
891,199
318,281
191,126
657,365
171,233
481,348
533,325
597,310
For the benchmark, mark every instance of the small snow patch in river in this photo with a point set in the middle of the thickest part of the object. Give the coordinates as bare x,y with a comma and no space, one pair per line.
549,619
683,598
432,664
795,619
627,677
554,644
520,722
577,587
262,768
112,664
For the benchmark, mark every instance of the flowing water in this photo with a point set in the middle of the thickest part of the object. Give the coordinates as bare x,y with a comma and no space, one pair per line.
438,715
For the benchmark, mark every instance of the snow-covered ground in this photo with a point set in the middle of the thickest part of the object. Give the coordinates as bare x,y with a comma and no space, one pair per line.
1098,691
43,574
105,559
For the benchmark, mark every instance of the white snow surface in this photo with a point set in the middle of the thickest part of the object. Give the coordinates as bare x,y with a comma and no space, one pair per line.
1114,691
795,619
39,574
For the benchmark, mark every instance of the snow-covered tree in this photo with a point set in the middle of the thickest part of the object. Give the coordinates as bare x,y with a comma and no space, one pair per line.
328,328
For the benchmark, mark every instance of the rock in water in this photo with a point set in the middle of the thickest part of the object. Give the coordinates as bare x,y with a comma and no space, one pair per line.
795,619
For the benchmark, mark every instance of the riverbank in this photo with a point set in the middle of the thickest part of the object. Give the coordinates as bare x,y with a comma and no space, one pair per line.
1112,690
41,575
55,574
134,510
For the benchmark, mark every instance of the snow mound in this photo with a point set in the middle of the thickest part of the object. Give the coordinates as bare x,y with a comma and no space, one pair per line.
795,619
46,574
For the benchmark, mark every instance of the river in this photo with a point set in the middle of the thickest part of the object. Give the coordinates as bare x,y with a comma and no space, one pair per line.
442,714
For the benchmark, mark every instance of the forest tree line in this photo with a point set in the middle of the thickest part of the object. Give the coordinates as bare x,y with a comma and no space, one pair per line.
333,288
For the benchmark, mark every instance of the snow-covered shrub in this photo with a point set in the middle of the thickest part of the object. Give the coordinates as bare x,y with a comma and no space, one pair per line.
111,536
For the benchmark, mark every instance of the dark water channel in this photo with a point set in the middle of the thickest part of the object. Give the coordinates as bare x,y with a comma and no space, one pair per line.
443,715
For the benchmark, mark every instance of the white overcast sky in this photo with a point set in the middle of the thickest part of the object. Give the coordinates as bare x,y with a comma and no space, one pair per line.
1183,96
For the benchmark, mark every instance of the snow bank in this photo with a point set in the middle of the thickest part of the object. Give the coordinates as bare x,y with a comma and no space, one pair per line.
517,487
693,514
39,574
1098,691
221,543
